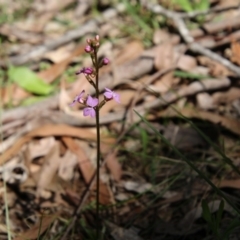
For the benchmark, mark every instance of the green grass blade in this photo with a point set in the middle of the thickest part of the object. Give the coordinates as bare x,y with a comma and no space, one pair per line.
201,174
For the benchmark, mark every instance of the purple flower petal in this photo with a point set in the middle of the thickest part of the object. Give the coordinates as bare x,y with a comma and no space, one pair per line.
92,102
89,111
78,98
116,97
109,94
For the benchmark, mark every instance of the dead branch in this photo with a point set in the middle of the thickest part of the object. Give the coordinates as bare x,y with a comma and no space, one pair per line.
185,34
89,27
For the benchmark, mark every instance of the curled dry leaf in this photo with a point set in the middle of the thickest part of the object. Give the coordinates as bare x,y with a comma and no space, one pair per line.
226,96
50,166
205,101
186,63
85,164
216,69
41,147
114,166
229,123
235,52
67,165
161,36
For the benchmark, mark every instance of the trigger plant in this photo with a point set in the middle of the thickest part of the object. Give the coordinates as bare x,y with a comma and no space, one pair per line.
93,104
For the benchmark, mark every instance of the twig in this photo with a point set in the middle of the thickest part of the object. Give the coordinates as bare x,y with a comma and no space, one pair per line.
217,9
193,46
89,27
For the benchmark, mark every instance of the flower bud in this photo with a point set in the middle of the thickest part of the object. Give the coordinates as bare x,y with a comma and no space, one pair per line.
97,38
105,61
88,49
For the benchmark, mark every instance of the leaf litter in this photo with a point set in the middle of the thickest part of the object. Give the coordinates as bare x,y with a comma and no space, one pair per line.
167,67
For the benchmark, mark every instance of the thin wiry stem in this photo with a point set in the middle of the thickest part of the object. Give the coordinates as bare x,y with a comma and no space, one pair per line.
98,147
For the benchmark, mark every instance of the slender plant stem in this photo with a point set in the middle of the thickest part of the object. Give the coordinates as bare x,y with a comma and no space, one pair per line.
98,148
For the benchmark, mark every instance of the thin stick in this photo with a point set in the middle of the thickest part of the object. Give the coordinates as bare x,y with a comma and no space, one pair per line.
193,46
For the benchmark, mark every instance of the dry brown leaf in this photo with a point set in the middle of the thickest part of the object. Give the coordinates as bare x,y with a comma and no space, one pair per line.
163,84
114,166
85,164
161,36
235,52
165,56
230,124
57,69
49,169
14,94
205,101
227,96
87,169
51,130
41,147
216,69
39,228
228,183
131,51
186,63
67,166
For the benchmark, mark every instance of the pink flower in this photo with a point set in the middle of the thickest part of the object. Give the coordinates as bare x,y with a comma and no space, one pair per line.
78,98
90,111
109,95
87,70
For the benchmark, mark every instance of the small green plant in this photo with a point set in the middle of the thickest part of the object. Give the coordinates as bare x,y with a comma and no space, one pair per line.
189,5
213,220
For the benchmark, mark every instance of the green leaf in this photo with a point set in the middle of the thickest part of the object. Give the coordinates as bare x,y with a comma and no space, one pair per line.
202,5
183,74
184,4
29,81
219,213
206,212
